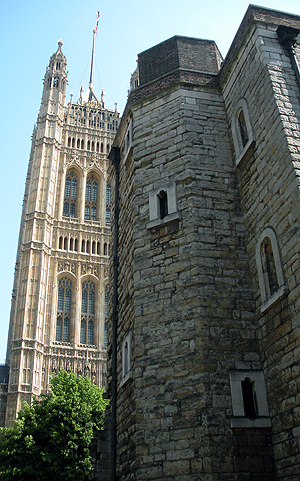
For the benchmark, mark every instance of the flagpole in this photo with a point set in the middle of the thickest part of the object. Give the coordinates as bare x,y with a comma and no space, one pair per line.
92,59
93,52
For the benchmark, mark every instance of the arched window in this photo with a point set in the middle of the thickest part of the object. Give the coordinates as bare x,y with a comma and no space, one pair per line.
242,132
73,142
56,82
107,149
70,195
101,147
87,313
82,143
88,147
63,310
105,249
243,128
97,147
93,146
69,141
60,243
269,268
78,144
91,198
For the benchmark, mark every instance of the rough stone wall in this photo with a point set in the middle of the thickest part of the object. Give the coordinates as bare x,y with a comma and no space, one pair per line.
193,301
126,429
269,186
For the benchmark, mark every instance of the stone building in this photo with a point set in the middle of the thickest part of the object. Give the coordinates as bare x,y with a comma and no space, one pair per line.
204,337
58,314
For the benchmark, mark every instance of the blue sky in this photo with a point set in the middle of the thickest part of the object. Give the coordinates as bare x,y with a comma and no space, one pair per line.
29,30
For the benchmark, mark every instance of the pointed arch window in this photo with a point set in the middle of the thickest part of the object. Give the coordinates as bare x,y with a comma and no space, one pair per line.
63,310
87,313
91,198
69,209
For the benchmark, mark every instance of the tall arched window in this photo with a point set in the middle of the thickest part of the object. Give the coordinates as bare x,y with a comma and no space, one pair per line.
87,313
63,310
270,269
70,195
242,131
91,198
243,128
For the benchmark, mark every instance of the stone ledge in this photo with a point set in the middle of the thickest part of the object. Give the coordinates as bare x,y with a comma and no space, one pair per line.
165,221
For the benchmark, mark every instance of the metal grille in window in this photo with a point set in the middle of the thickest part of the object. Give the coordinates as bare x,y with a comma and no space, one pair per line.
63,310
91,197
107,218
108,194
69,209
87,313
105,334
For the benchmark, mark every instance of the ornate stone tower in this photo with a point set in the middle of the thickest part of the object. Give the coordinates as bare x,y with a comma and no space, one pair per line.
58,306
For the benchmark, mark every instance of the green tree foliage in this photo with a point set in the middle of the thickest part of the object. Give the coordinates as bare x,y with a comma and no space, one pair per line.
50,439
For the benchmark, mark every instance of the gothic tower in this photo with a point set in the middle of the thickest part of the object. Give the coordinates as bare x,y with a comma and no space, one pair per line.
59,301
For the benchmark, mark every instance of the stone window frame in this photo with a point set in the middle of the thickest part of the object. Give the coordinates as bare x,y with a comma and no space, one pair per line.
269,300
65,276
239,420
155,220
240,149
127,372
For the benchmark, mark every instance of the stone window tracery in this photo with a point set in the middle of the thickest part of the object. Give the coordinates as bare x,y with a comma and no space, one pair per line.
63,310
91,198
87,313
69,208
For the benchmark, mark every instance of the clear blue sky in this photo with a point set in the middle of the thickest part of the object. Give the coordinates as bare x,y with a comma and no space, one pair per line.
29,30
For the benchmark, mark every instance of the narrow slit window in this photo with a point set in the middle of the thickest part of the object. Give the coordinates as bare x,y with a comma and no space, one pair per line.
249,398
163,204
243,128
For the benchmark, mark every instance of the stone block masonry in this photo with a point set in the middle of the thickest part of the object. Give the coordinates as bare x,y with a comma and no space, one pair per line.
208,265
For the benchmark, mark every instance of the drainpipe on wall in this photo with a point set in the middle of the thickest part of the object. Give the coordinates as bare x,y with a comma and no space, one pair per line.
115,157
287,37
